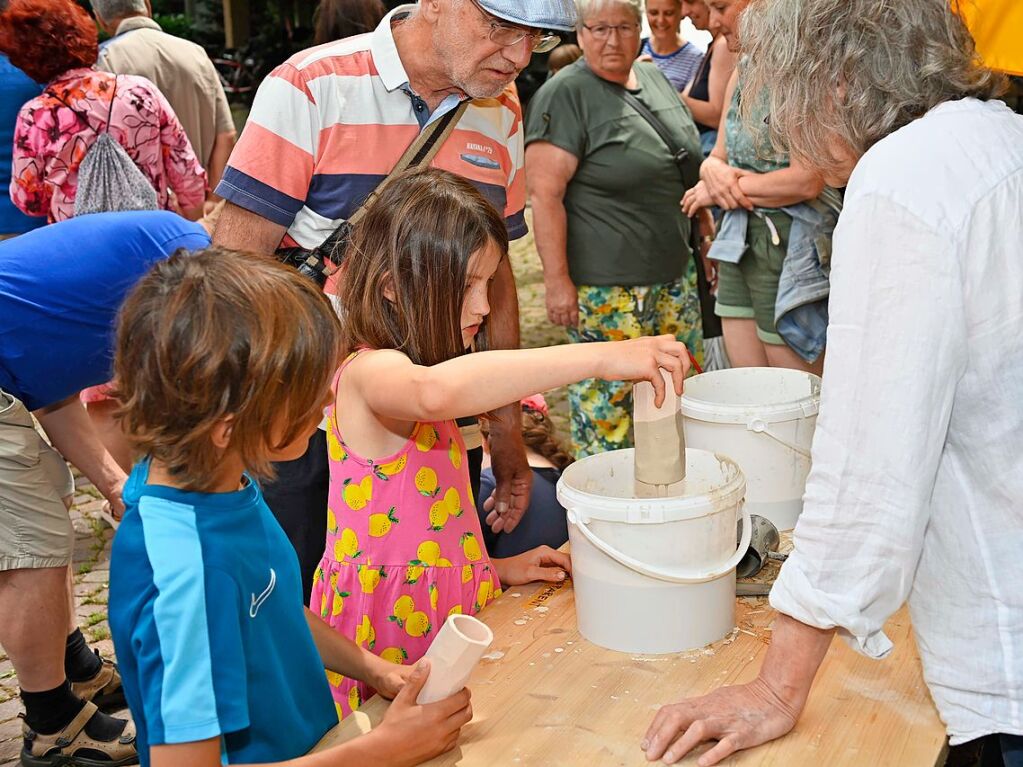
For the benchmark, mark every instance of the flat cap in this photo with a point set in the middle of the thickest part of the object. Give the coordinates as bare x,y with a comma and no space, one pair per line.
539,14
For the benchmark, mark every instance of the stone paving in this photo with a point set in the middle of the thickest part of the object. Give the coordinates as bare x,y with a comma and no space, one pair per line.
92,536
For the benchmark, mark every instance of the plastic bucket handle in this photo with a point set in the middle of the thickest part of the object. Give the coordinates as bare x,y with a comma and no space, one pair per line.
757,426
667,576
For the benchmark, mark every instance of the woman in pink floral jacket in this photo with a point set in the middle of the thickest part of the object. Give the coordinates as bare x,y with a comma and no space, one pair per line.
55,43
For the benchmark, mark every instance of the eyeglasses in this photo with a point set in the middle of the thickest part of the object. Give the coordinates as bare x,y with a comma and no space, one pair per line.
603,31
506,35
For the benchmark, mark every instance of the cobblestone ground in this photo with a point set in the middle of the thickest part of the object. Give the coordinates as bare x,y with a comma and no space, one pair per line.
93,536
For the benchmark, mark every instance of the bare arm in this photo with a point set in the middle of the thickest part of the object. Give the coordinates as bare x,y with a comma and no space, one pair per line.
548,170
222,146
395,388
779,188
408,735
341,654
745,715
721,67
69,428
239,229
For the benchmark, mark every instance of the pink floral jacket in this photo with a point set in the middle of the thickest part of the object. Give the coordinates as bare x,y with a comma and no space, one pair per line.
51,139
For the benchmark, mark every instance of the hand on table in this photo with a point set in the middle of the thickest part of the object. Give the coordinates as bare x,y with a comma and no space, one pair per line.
411,733
722,183
540,564
737,717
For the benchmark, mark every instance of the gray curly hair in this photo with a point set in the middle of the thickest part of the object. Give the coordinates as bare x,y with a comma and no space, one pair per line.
855,70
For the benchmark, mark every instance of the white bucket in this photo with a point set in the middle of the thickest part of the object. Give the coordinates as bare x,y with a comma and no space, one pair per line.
764,419
654,575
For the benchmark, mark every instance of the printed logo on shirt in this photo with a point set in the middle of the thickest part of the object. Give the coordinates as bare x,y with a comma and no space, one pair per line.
257,602
481,162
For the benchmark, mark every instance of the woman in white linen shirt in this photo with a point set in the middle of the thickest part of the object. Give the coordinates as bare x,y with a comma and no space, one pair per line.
917,483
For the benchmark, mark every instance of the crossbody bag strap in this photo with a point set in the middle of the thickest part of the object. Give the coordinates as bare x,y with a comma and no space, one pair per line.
419,154
679,154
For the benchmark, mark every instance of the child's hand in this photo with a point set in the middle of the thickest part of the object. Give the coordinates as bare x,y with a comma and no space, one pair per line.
640,359
540,564
385,677
410,733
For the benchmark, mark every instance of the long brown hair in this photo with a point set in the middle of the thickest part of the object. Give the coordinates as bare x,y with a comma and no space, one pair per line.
416,241
219,334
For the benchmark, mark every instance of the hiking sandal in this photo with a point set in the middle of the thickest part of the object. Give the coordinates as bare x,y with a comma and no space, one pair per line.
104,689
73,746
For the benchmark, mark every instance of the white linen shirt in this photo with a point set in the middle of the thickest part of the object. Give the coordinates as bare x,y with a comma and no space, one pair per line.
917,481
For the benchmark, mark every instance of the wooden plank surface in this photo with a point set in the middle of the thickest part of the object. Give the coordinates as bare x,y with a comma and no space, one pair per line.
546,696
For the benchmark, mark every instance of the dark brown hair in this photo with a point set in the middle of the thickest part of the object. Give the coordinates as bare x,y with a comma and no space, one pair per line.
45,38
562,56
336,19
539,435
216,334
416,240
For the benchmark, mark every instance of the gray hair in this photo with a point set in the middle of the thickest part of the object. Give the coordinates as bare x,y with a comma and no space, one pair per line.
108,10
854,70
586,8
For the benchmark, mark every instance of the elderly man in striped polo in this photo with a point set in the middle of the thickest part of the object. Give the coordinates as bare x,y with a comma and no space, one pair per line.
329,124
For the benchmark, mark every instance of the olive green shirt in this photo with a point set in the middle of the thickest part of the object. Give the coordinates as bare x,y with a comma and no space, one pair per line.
625,226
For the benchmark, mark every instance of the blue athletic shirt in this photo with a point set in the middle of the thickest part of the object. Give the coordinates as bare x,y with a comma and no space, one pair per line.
207,614
60,289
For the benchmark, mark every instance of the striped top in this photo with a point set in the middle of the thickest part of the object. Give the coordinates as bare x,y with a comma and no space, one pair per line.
329,124
678,66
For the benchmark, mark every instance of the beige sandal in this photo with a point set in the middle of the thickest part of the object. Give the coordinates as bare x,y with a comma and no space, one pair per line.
73,746
104,689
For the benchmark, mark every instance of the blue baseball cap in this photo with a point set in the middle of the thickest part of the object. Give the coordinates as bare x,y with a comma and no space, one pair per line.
538,14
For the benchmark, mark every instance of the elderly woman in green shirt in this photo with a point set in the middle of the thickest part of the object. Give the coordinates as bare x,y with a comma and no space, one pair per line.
605,192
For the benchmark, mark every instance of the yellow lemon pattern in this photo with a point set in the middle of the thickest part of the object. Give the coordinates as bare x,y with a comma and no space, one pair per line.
380,524
403,551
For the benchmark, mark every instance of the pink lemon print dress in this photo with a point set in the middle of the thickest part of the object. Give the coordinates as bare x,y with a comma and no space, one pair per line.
404,547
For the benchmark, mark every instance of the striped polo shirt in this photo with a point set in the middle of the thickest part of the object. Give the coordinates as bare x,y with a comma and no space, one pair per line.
329,124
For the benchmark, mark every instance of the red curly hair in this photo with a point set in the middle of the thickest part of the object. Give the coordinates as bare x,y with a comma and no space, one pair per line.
45,38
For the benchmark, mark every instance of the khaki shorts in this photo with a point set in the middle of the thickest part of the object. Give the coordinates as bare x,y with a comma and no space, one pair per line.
35,529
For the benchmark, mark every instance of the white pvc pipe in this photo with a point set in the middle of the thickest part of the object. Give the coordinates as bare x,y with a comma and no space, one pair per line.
459,645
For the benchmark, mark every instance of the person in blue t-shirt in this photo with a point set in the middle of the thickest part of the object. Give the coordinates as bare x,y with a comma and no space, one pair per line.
60,289
16,88
223,365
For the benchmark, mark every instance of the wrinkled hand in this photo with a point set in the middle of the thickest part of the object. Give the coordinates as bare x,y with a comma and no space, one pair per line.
512,477
722,182
696,198
641,359
410,733
737,717
540,564
562,301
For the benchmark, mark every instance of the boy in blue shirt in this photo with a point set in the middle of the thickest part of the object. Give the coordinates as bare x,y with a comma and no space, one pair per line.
223,366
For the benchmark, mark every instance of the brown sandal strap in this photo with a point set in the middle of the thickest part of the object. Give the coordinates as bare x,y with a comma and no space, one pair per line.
76,725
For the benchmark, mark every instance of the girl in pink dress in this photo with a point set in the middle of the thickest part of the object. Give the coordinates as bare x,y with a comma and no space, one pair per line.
404,547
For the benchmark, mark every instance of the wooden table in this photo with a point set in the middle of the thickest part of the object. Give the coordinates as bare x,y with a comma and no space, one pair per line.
546,696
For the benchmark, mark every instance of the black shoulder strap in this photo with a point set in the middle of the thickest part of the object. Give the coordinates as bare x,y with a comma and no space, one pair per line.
678,153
